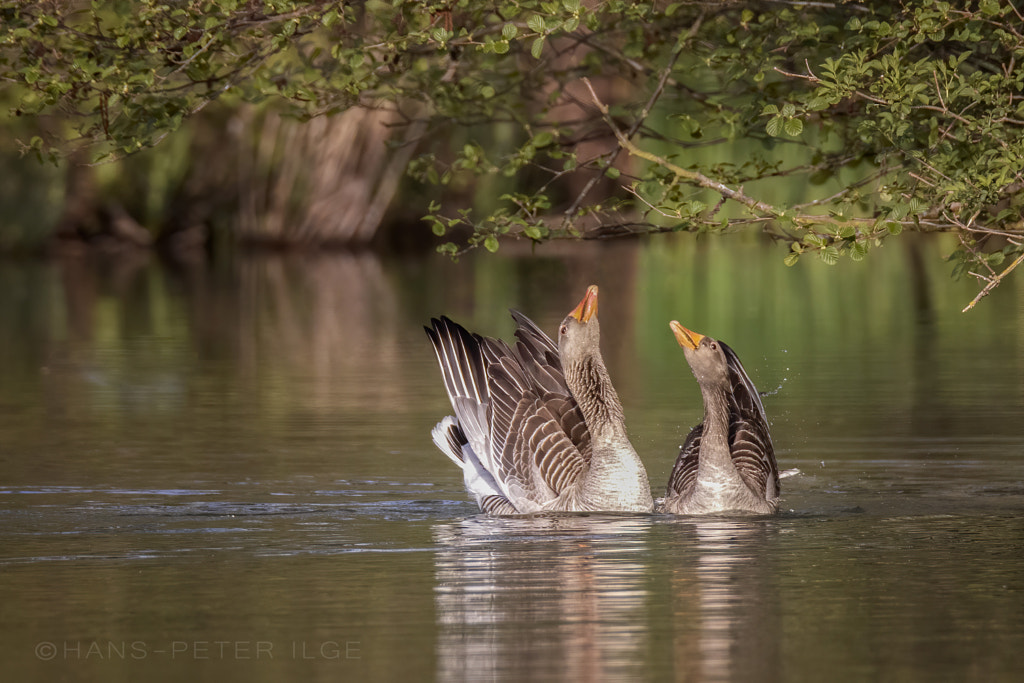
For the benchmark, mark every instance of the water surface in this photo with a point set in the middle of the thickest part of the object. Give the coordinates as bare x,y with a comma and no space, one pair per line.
226,474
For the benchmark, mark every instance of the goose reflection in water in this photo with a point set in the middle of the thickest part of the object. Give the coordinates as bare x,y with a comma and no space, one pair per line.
726,616
575,597
561,597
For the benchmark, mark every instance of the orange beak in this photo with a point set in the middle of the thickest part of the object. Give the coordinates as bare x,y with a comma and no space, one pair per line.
688,339
587,308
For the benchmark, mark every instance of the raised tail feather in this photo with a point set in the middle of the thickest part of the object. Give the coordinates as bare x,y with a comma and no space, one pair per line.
448,437
462,363
465,438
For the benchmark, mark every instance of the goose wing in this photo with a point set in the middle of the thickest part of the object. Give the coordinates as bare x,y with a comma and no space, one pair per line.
533,337
542,366
532,431
465,438
754,456
746,398
464,371
518,433
684,472
749,438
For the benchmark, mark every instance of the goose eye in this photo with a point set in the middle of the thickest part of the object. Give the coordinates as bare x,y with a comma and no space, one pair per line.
564,329
714,346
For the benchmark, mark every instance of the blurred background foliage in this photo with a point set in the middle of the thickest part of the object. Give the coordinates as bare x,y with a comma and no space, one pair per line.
830,127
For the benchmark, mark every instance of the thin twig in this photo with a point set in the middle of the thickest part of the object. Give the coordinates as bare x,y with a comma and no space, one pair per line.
993,282
645,112
679,171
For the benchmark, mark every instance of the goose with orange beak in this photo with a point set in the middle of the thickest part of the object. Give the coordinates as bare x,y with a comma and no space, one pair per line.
727,463
538,427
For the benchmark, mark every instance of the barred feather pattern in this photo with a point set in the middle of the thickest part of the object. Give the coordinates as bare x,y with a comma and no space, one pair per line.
514,414
598,405
750,443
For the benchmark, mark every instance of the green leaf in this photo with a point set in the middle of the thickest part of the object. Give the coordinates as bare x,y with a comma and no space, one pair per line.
509,31
612,172
917,205
989,7
543,139
774,126
794,127
819,103
791,258
536,23
858,250
491,243
537,48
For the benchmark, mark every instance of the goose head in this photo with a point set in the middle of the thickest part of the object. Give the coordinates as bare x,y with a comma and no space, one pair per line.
579,335
706,356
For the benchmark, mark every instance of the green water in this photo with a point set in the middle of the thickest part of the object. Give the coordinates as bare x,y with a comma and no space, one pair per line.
226,474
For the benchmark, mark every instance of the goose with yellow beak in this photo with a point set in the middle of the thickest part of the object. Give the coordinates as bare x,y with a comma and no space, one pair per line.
727,463
537,426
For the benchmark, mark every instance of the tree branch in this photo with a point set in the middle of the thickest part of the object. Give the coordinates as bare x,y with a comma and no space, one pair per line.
644,113
993,282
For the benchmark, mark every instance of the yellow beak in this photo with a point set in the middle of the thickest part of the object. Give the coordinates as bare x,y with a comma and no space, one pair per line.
587,308
688,339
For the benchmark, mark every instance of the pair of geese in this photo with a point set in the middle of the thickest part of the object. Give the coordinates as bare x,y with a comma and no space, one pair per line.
538,426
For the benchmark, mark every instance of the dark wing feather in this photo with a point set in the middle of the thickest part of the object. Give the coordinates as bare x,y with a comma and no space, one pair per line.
548,383
745,394
750,441
754,456
510,388
555,459
497,505
451,441
533,337
684,472
538,459
459,355
544,371
541,364
567,413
